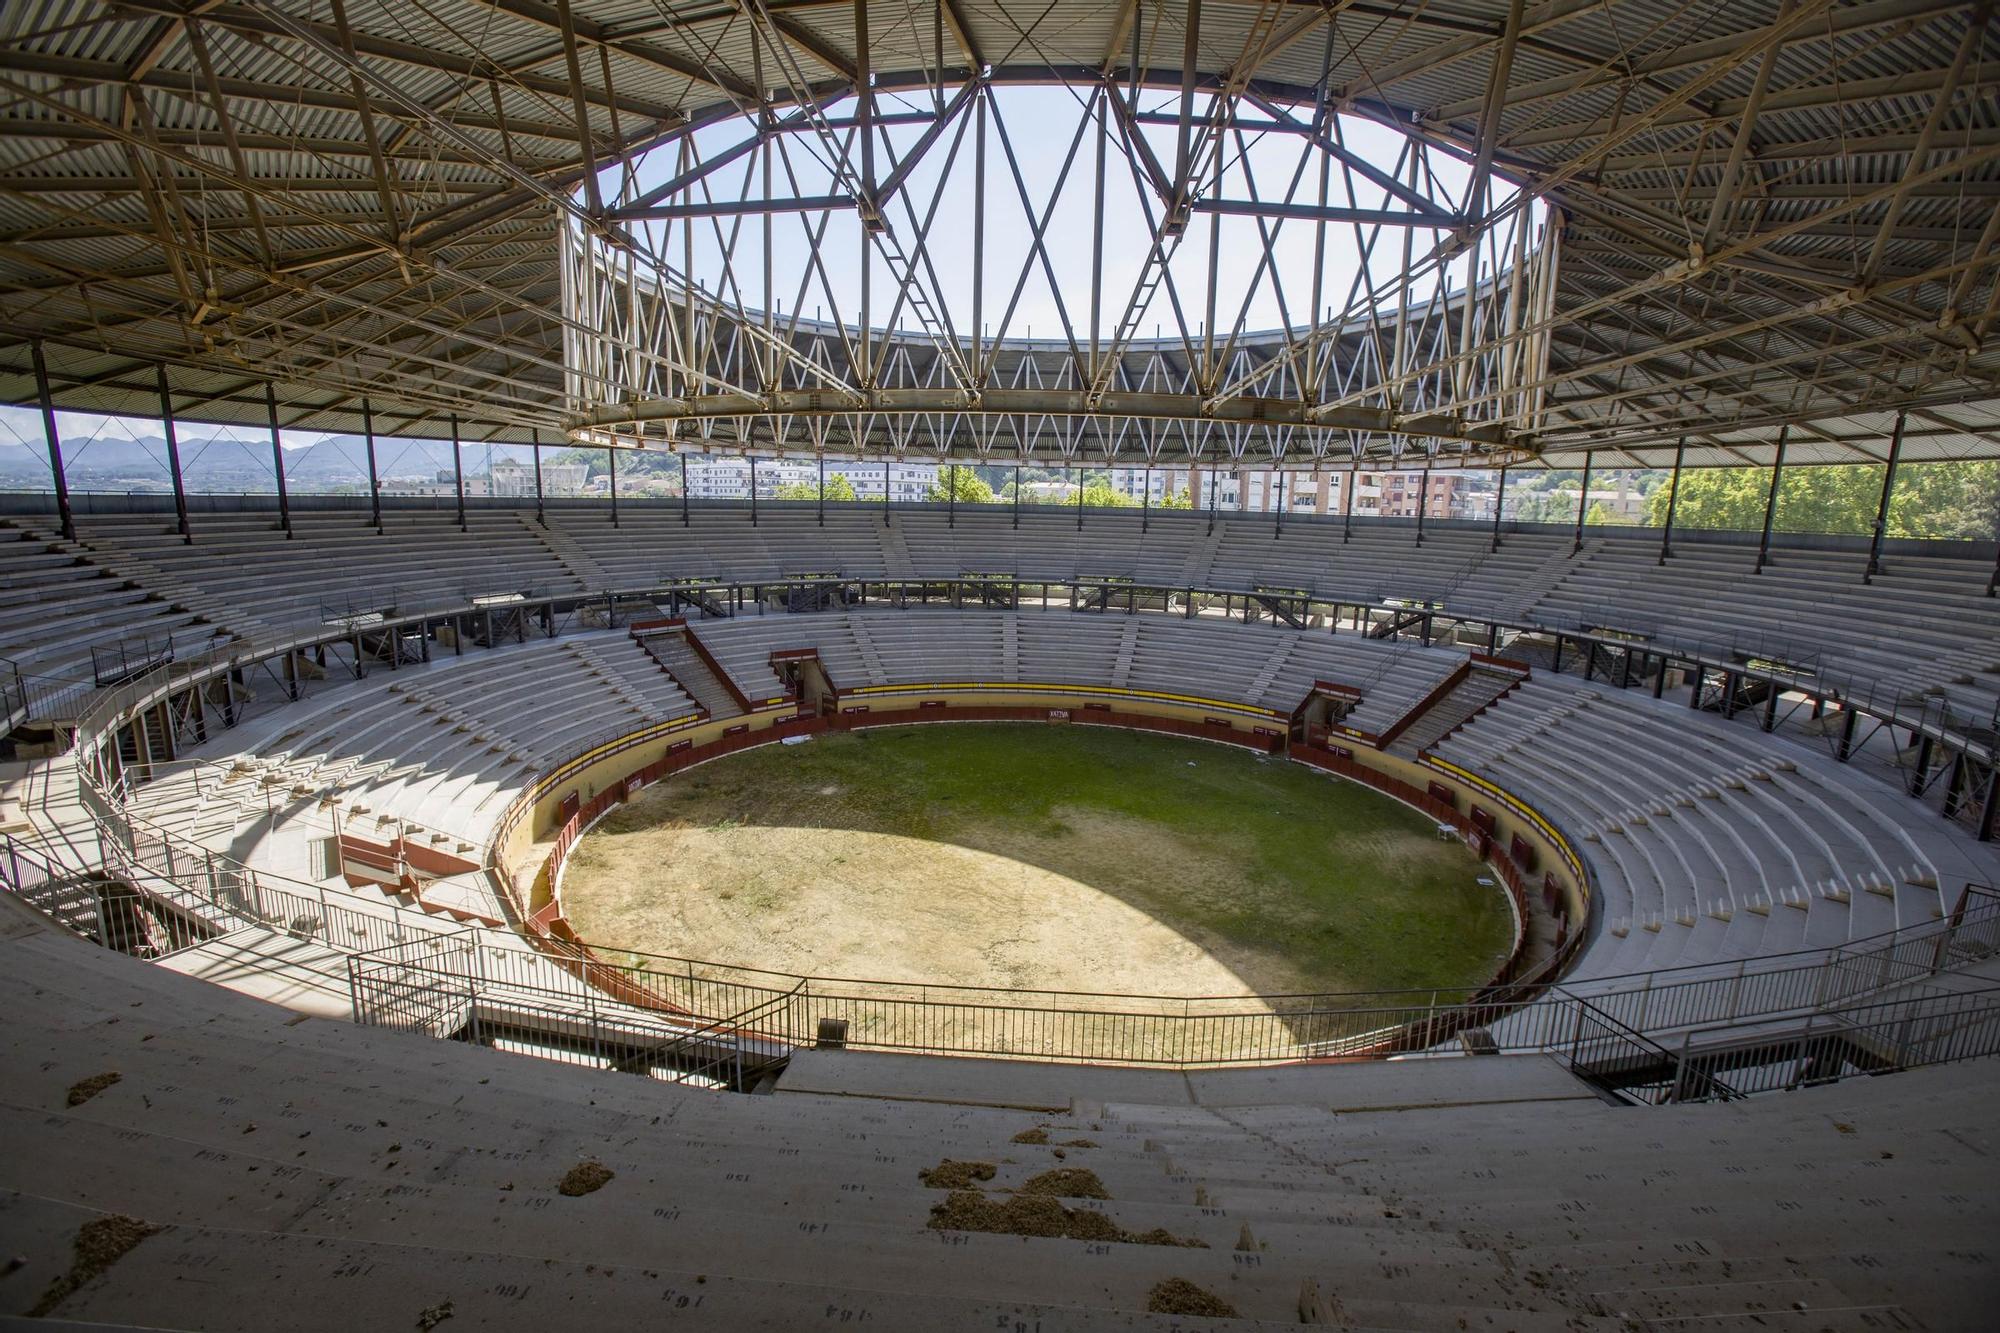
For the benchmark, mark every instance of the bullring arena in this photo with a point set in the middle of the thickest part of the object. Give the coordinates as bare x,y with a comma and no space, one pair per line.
546,785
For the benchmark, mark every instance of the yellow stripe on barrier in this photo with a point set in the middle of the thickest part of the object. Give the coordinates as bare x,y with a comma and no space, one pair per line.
1521,808
1028,687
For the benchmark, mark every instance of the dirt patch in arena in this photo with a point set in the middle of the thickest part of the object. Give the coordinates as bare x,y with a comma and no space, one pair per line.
1039,857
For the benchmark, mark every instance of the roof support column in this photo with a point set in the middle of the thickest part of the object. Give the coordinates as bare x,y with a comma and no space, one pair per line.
1582,507
753,496
1146,500
541,515
278,458
1347,508
1423,499
374,480
1673,498
1882,506
684,490
1771,499
174,457
612,456
55,443
822,491
951,495
1278,524
458,472
1499,504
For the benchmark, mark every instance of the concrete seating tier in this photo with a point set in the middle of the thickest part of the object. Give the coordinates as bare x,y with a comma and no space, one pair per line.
1924,624
349,1176
1711,840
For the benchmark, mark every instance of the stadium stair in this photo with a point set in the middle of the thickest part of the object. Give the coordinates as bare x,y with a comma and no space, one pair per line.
582,566
1482,687
678,658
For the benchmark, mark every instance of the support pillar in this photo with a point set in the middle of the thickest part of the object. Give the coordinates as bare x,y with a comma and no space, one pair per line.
1212,489
951,495
374,480
753,495
1846,746
55,444
1499,504
821,508
1347,505
885,492
1017,499
541,516
1771,500
1882,508
1925,747
1673,499
1582,507
1278,527
278,459
174,457
1989,811
1079,499
1424,499
1146,500
458,472
684,490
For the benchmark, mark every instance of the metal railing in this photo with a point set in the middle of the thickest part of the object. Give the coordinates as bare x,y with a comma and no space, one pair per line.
1903,1033
1629,1022
465,987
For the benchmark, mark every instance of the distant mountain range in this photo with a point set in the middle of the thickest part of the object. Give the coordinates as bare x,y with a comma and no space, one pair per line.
211,462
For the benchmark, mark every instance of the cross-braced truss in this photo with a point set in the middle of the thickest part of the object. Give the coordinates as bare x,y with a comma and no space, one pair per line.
1669,222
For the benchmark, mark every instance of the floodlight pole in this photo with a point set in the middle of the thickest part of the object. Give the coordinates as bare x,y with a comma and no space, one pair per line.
457,472
1582,508
541,515
374,482
1499,505
174,457
278,458
611,456
1771,500
1673,499
1882,508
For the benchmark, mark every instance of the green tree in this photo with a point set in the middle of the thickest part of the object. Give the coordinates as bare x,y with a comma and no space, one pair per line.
1180,499
961,483
838,487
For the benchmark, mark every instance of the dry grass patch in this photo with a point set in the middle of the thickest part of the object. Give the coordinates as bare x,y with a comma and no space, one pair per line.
1067,1182
585,1178
1040,1215
1177,1295
83,1090
951,1174
99,1244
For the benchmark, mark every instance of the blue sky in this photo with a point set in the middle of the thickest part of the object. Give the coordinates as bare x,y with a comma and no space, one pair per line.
1040,125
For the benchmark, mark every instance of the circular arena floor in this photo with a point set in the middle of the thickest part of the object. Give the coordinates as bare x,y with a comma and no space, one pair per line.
1077,859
